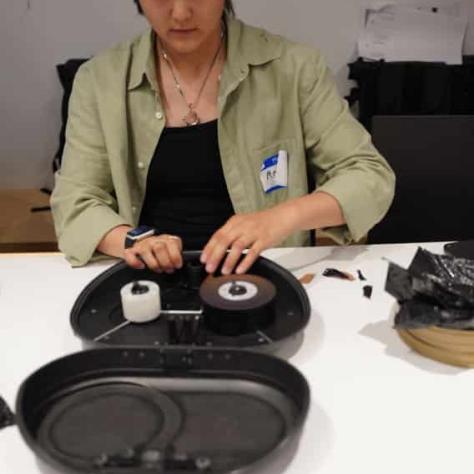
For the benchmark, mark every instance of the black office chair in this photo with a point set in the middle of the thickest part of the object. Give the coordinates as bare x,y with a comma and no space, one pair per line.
433,158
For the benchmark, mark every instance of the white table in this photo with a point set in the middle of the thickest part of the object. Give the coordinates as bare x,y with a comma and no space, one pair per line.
376,406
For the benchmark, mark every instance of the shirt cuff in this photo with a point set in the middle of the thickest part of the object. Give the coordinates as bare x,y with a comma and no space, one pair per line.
361,208
79,242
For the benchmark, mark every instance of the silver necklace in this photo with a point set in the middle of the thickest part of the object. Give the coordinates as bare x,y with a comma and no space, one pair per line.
191,118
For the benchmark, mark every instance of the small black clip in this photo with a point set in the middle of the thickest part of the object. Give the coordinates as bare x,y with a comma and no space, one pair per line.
361,276
367,291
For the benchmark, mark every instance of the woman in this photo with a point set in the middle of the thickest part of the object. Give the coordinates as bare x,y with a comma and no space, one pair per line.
206,129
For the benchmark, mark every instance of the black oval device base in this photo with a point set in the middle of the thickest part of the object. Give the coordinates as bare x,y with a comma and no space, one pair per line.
98,310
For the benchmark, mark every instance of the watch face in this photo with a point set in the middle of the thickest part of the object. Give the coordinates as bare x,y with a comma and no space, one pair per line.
139,231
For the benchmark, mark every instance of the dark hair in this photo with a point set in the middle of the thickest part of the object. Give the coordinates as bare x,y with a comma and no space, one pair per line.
228,7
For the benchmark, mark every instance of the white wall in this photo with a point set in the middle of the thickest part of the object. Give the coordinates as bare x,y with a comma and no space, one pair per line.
33,40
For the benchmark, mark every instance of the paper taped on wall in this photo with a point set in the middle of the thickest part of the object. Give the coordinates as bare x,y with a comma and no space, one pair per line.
413,33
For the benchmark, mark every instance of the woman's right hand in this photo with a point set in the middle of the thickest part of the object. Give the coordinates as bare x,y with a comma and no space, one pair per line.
160,253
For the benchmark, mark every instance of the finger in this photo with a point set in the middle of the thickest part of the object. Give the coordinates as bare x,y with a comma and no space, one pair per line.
160,252
218,248
148,256
133,260
234,255
218,236
175,249
252,255
209,248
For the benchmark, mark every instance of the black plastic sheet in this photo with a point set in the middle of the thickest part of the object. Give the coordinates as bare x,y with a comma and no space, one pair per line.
436,290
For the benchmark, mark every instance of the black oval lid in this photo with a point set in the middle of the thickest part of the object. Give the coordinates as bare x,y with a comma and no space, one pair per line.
175,410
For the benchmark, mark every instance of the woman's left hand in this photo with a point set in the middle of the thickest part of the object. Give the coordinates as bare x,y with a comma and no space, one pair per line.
255,231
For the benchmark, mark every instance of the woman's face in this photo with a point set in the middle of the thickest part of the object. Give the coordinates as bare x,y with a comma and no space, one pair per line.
184,26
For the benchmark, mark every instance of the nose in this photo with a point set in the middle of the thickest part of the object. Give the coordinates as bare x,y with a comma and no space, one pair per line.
182,11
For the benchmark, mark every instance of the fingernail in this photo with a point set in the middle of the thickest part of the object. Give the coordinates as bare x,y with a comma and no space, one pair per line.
203,258
225,271
210,268
239,270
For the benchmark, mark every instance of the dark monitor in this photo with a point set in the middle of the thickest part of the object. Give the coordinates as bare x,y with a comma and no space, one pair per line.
433,158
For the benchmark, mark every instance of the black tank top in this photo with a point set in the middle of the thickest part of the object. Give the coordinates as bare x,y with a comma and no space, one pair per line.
186,193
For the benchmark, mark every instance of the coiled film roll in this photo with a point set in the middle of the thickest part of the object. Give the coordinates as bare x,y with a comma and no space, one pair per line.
237,304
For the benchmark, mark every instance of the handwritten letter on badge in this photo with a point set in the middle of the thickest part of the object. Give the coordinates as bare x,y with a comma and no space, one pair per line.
274,172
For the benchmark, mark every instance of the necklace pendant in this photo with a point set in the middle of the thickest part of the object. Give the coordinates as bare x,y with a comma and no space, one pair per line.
191,118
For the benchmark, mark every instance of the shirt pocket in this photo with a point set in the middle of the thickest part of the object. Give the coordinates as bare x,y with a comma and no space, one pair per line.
269,199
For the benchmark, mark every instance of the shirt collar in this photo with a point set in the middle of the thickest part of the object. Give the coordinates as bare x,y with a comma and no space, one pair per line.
247,45
143,61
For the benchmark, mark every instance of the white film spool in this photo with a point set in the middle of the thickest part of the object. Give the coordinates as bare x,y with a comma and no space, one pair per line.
141,307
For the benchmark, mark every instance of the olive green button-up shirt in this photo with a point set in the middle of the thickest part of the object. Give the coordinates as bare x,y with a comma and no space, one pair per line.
274,95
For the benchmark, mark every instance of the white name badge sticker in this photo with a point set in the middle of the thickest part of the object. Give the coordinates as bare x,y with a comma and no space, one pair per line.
274,172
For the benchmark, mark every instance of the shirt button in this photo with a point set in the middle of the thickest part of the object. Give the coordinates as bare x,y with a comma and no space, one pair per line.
140,165
134,209
159,115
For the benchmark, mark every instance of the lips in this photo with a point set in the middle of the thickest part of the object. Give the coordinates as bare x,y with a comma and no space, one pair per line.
183,31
